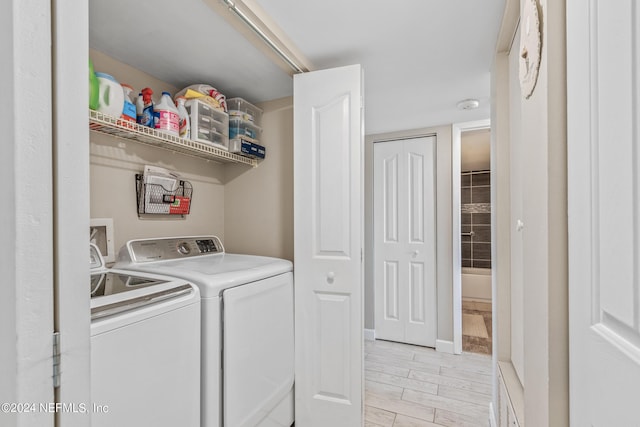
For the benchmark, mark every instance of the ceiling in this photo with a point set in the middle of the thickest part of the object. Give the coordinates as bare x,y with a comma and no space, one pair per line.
420,56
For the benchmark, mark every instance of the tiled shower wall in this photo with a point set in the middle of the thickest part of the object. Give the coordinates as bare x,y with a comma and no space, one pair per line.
476,219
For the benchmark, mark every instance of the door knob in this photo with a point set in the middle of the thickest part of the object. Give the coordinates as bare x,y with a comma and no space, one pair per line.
330,277
519,225
415,253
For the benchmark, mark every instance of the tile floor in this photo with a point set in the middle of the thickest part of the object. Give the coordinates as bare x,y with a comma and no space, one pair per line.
412,386
476,327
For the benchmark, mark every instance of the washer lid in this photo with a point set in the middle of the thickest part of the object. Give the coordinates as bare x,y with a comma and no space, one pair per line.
109,283
216,272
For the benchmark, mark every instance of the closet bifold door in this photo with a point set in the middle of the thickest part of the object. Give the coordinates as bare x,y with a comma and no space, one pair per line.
328,236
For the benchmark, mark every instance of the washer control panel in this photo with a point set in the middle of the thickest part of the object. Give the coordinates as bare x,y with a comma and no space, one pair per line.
148,250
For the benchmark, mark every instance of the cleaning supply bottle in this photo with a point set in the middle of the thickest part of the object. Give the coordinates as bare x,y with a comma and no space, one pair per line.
129,111
166,117
94,88
144,108
110,96
184,126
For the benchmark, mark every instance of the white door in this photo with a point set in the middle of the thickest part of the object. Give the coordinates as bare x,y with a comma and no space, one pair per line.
405,240
328,237
603,77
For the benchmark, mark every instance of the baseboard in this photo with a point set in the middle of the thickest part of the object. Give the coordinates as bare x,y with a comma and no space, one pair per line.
444,346
492,416
370,334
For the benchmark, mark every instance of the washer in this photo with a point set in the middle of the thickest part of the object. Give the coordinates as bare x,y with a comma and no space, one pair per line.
145,349
247,326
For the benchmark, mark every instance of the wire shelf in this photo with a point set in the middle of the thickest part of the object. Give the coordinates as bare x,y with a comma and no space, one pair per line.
120,128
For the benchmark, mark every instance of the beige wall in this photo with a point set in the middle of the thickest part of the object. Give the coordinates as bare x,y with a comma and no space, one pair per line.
258,202
545,222
114,163
250,209
443,225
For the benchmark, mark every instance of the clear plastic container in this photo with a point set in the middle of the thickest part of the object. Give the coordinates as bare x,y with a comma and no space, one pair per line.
208,125
243,128
244,110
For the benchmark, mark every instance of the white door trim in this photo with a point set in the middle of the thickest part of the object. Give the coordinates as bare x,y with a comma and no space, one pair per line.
456,228
71,165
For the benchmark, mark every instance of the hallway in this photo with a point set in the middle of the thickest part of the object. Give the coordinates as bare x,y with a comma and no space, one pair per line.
411,386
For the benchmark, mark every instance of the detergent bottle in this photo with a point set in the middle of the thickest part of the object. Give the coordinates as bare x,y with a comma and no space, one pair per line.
166,116
129,111
110,95
94,88
144,108
184,126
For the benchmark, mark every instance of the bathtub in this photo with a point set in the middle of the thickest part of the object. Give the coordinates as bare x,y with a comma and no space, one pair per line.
476,283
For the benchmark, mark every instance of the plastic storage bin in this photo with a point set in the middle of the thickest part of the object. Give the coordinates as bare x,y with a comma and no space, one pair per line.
244,110
208,125
239,127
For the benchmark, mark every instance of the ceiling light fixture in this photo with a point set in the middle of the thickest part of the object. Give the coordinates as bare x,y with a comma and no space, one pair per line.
468,104
256,29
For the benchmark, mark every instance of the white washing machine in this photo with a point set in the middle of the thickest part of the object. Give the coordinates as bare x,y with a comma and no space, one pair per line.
145,349
247,326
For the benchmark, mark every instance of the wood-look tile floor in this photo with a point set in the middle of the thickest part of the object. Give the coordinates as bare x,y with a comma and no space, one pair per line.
412,386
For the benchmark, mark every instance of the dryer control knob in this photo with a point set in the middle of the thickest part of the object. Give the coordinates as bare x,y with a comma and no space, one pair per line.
184,248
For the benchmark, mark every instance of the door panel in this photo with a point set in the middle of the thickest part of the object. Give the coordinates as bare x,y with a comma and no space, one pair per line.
330,170
416,198
391,291
405,241
328,236
604,207
391,199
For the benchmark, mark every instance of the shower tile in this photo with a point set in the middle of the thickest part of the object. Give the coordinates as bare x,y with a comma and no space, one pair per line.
466,250
481,195
481,219
481,179
465,196
481,264
466,219
482,233
465,181
467,263
481,251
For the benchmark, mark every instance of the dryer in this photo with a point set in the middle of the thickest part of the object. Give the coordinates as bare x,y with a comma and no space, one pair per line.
247,326
145,349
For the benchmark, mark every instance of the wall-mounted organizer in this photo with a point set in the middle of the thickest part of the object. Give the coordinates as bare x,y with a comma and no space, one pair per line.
155,199
102,123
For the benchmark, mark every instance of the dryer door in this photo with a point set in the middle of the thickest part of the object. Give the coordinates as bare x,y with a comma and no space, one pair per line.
258,353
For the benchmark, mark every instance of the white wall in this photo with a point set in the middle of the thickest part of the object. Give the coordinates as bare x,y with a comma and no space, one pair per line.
545,392
26,213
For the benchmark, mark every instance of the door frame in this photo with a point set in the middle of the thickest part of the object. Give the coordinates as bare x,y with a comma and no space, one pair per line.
431,323
456,267
444,295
